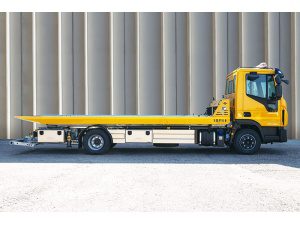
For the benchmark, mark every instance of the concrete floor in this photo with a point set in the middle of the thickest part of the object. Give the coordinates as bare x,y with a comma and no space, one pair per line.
144,178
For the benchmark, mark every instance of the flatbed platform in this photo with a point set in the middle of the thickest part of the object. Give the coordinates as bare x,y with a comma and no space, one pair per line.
221,116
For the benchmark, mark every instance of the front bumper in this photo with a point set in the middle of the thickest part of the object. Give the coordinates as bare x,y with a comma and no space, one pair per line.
282,135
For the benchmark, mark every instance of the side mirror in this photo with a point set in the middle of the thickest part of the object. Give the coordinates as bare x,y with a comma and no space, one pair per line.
278,90
286,82
277,79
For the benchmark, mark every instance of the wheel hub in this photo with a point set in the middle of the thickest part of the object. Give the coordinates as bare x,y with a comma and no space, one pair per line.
247,142
96,142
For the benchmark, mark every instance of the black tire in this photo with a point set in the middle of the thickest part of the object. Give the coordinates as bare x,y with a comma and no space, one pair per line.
96,141
246,142
113,145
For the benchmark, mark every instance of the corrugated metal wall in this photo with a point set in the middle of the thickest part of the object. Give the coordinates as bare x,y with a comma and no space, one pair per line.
136,63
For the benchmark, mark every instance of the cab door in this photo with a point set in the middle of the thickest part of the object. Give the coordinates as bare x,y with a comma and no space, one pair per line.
260,103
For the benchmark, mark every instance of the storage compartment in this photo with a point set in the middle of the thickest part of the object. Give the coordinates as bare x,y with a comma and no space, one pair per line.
51,136
118,135
140,136
174,136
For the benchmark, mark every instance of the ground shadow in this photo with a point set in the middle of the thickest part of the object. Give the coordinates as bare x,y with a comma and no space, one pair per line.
287,154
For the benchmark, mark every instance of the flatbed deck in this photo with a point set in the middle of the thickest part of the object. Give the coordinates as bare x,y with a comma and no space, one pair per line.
220,117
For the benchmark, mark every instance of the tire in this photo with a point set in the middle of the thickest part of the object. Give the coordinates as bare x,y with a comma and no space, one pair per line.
246,142
96,141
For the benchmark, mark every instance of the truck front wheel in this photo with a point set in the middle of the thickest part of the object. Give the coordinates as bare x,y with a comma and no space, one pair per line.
96,141
246,141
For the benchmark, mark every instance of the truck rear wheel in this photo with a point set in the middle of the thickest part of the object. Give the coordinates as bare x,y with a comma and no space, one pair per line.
96,141
247,141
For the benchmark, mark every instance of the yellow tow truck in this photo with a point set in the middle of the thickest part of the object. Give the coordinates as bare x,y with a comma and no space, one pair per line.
252,111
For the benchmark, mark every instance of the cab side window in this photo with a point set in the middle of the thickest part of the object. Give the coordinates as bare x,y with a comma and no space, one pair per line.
234,84
230,86
257,87
262,89
271,88
226,88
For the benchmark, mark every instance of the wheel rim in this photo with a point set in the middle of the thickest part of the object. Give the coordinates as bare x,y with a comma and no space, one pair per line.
248,142
96,142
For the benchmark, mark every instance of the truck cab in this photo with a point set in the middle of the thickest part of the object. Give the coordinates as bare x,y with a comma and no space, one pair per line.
256,102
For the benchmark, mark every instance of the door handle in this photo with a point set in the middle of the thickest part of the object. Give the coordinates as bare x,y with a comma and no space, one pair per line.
247,114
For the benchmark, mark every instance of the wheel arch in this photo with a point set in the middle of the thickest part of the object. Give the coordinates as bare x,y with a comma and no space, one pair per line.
83,132
250,124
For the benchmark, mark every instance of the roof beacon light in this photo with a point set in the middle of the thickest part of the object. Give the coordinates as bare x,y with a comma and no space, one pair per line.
262,65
